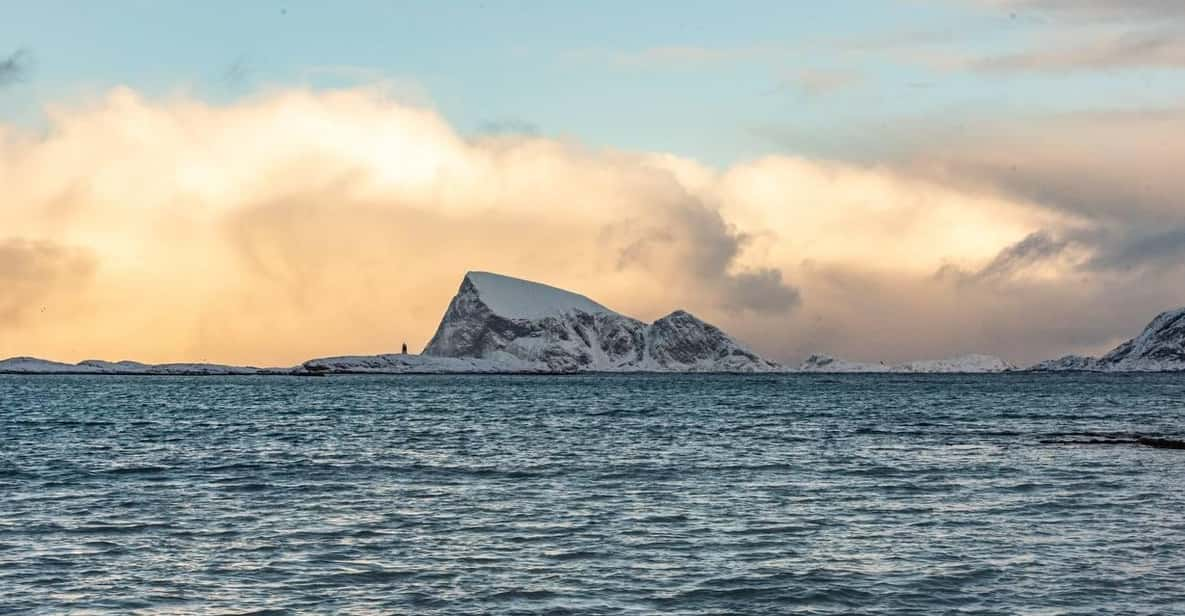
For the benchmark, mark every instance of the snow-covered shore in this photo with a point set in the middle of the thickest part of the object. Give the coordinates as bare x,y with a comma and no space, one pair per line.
33,365
970,364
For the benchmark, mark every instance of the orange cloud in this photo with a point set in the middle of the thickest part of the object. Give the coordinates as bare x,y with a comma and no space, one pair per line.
302,224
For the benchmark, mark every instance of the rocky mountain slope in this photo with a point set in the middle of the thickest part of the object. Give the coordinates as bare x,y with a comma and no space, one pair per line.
1159,348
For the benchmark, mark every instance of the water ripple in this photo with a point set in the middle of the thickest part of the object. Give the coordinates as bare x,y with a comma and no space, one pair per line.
632,494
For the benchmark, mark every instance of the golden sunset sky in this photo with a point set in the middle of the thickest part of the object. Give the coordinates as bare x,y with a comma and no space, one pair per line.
162,220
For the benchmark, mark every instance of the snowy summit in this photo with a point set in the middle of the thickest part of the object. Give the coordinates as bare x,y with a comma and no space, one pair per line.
515,298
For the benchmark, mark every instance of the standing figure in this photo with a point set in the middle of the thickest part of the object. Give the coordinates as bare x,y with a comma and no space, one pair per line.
404,351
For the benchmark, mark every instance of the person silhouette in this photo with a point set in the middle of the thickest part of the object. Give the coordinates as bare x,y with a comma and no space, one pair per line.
404,351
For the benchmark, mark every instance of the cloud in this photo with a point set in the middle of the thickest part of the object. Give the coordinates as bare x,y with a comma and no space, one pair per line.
1161,249
1105,267
1097,9
1108,259
1112,170
691,243
1142,49
1036,248
38,275
301,224
304,223
15,67
816,83
873,316
761,290
1052,37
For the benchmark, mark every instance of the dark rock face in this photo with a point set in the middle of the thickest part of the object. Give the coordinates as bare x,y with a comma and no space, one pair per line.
574,339
680,339
1159,348
1161,343
470,328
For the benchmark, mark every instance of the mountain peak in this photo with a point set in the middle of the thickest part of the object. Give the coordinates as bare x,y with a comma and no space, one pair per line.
534,326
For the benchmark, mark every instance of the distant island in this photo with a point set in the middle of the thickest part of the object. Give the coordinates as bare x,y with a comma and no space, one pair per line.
500,324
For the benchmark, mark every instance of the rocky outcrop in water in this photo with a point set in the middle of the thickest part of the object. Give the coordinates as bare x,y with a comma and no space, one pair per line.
1114,438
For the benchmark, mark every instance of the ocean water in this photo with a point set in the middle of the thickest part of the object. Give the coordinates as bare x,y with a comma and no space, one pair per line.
647,494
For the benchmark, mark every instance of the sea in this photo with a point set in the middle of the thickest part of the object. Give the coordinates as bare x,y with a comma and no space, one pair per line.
592,494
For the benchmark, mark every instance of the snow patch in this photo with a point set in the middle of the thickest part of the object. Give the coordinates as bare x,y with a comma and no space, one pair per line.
964,363
514,298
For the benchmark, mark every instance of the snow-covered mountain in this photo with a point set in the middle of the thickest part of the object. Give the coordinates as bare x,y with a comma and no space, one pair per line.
22,365
525,325
32,365
1159,348
966,363
826,363
974,362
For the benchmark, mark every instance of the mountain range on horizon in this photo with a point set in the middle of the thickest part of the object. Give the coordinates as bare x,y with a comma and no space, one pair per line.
500,324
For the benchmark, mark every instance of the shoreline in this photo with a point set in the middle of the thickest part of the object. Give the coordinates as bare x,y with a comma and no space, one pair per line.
303,374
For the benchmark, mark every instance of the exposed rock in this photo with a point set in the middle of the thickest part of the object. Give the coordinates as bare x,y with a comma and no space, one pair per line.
1068,363
1114,438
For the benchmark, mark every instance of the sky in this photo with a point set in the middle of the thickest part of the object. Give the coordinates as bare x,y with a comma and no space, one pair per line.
881,180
